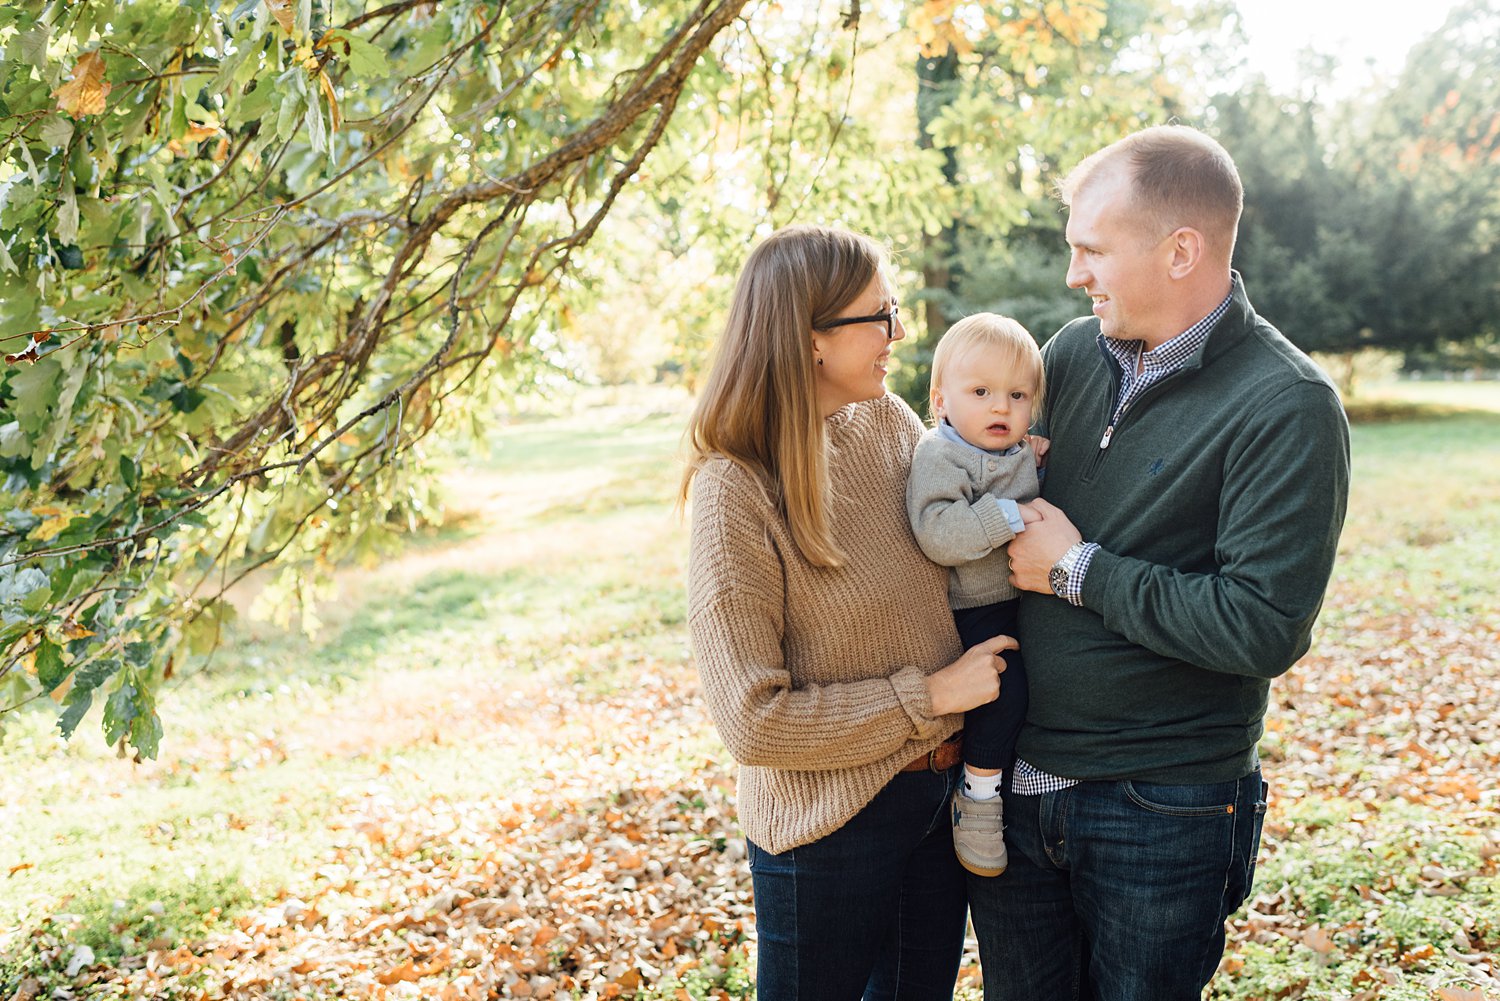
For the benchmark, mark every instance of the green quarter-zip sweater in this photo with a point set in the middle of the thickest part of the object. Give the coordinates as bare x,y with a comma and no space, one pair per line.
1217,504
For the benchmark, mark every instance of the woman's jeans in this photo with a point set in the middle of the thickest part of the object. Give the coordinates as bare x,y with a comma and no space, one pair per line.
874,910
1117,891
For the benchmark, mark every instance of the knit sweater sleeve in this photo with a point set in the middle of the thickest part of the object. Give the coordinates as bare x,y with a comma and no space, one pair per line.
1281,509
951,528
737,622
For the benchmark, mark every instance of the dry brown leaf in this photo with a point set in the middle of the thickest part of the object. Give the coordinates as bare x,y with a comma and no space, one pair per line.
284,13
1318,940
198,132
326,85
1418,954
85,93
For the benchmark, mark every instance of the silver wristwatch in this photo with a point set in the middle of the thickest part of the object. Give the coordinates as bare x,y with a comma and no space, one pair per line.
1062,570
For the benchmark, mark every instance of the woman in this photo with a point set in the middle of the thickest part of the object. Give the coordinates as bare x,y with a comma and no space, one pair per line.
824,642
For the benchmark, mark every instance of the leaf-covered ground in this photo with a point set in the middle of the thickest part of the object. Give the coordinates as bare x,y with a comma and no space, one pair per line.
491,774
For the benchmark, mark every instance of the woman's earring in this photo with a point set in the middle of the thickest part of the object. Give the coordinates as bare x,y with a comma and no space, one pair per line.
820,361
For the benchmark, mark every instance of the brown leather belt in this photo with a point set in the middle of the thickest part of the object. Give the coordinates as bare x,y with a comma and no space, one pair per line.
941,758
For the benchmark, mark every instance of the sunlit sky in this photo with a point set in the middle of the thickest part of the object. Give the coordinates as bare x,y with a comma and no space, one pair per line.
1369,37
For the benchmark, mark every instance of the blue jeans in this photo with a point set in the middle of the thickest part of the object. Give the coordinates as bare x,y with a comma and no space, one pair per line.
874,910
1117,891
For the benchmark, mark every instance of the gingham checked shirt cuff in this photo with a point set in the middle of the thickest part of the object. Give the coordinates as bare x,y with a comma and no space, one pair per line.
1073,590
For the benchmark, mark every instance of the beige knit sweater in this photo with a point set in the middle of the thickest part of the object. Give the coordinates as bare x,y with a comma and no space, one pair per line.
815,676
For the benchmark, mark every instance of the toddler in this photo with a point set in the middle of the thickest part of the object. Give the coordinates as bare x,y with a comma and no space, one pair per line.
971,472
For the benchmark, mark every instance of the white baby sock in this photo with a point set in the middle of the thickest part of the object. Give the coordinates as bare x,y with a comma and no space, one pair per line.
982,786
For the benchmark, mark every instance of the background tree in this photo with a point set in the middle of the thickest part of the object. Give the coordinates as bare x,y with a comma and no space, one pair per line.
1376,223
248,254
1013,95
253,252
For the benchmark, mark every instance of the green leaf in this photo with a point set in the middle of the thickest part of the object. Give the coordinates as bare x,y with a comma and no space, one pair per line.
228,66
203,633
366,58
246,8
286,118
34,391
31,45
50,669
178,123
130,713
187,399
254,105
67,220
81,694
37,599
316,133
145,731
69,383
70,256
128,471
56,131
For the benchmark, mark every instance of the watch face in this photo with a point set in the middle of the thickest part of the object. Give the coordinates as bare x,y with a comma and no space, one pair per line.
1058,578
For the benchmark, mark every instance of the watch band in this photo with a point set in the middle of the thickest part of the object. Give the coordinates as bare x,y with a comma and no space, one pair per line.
1062,571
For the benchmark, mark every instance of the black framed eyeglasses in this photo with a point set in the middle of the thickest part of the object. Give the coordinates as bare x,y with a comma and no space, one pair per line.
888,318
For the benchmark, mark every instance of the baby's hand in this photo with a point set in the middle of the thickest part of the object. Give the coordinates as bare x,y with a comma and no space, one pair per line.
1039,445
1029,514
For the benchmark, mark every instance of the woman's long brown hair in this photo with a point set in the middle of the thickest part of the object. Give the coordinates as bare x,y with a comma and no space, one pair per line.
759,406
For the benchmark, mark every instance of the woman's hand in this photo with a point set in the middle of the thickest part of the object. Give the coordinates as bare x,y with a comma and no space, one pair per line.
971,680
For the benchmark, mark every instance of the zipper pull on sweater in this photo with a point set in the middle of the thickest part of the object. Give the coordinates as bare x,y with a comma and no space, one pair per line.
1108,433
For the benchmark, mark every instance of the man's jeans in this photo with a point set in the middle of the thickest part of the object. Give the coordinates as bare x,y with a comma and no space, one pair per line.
873,910
1117,891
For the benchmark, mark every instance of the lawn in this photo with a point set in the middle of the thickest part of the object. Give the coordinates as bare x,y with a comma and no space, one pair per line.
490,772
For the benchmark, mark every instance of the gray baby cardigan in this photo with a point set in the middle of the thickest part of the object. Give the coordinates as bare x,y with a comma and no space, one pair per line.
950,498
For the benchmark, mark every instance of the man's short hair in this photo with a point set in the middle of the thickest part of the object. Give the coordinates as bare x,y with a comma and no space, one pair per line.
1179,177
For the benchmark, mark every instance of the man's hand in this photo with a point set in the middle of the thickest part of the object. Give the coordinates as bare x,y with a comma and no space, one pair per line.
1033,551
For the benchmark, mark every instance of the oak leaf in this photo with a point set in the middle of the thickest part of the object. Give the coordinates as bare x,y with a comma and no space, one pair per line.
85,93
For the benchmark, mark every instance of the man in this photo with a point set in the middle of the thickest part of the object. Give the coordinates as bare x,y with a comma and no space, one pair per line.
1195,490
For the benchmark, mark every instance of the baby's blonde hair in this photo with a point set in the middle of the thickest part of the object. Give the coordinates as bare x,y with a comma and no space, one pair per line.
989,332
